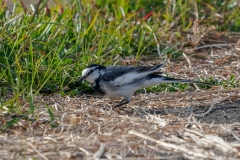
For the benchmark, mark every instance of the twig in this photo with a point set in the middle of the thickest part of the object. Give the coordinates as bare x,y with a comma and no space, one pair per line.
235,136
35,149
188,60
100,152
215,45
84,150
204,114
168,146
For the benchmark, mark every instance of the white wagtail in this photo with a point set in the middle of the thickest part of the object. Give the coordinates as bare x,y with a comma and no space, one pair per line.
123,81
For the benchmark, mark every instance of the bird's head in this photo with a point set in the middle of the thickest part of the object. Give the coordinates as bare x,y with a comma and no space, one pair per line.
91,73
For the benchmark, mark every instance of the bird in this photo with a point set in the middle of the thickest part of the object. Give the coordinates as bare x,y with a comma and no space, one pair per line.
123,81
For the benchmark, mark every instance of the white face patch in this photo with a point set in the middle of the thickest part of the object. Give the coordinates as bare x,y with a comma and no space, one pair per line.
91,77
86,71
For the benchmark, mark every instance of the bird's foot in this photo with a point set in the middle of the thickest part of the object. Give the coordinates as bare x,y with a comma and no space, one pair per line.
122,102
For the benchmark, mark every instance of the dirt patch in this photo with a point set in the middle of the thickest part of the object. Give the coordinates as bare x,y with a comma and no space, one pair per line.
223,113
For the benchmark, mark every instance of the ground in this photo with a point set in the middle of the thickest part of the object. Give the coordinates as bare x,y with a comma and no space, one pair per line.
194,124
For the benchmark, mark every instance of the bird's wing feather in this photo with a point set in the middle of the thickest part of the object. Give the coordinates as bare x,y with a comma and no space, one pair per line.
120,75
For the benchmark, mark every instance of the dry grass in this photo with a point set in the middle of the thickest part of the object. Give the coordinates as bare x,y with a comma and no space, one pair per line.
89,128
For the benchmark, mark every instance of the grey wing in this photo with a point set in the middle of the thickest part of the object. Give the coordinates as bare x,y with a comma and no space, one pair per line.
114,72
120,75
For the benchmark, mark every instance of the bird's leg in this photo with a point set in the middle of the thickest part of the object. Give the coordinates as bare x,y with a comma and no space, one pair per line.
126,100
121,103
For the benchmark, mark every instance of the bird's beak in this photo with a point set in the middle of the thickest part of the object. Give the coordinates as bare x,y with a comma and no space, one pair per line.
82,78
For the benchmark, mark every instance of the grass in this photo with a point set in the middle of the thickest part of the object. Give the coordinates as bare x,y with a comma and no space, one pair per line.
44,51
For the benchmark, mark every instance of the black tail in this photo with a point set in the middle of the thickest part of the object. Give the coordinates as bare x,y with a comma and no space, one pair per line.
167,79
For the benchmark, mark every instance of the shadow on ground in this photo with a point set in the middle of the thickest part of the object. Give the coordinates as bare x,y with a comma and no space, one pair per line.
223,113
